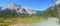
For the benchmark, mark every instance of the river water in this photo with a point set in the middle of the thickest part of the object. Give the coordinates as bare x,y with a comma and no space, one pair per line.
49,22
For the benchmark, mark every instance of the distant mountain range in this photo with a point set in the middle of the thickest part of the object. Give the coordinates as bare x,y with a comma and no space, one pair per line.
18,8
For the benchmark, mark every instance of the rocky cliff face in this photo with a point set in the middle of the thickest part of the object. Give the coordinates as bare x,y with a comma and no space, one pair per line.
1,8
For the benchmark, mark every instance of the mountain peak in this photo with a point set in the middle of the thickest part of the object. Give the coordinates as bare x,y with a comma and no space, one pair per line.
19,9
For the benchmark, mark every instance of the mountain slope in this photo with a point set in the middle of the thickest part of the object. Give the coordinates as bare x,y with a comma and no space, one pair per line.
50,12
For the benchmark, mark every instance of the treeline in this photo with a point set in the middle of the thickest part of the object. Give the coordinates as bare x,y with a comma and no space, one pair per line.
7,13
50,12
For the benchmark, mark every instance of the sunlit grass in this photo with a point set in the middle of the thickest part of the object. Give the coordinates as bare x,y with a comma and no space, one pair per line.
29,20
32,20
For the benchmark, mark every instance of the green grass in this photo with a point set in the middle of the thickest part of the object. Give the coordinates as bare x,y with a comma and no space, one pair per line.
32,20
29,20
3,25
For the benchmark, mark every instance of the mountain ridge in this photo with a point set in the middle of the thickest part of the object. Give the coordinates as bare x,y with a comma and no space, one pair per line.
19,9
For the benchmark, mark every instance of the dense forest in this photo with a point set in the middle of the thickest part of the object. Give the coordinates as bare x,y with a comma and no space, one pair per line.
49,12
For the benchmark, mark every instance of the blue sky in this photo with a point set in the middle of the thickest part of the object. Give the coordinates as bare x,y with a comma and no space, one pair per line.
33,4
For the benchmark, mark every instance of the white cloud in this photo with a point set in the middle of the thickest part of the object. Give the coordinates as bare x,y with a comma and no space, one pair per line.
57,2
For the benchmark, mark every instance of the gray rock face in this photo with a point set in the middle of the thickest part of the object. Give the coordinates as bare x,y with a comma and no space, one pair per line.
1,8
19,9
